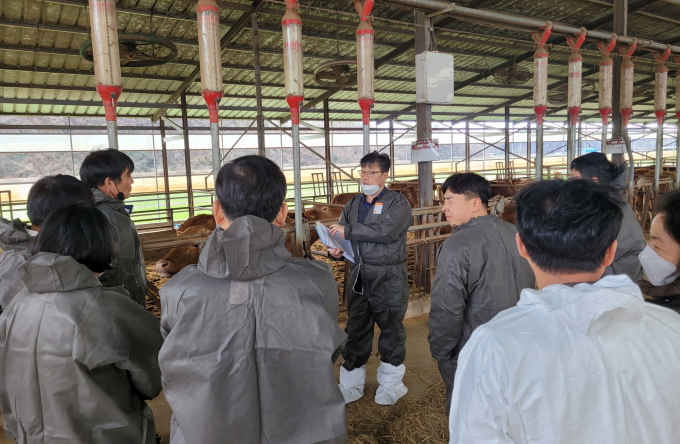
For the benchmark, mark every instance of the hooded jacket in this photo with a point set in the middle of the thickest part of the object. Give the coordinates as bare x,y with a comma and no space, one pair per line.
128,269
479,274
76,360
16,243
631,241
588,364
14,236
251,337
379,246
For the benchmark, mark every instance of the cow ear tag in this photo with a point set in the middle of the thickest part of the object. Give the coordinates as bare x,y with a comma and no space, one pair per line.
377,209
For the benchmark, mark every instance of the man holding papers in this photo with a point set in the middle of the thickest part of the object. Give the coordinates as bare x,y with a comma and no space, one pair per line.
375,223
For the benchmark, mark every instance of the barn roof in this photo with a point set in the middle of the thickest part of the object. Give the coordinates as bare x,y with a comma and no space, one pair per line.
43,73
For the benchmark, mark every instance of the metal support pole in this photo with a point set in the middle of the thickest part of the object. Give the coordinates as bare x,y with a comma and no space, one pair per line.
529,148
261,151
467,146
620,28
539,152
571,142
580,138
507,140
187,153
603,136
327,146
392,148
659,159
112,129
297,179
677,156
423,115
166,177
216,157
367,139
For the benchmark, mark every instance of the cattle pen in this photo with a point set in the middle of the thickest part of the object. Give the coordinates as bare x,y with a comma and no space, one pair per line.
510,89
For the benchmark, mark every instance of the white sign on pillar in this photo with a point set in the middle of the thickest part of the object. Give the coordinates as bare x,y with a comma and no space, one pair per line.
425,150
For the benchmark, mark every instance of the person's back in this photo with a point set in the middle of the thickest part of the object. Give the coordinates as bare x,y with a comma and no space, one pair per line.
14,236
479,273
580,360
76,360
251,333
109,174
592,363
16,240
631,240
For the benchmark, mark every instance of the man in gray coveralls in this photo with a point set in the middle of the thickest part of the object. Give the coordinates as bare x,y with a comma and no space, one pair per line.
375,222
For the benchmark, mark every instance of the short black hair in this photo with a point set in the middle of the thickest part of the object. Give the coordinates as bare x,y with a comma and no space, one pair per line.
383,161
80,231
669,206
53,192
103,164
595,165
251,186
470,184
567,226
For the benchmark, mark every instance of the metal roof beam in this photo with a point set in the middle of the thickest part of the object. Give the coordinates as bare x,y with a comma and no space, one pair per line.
224,109
187,80
237,96
66,52
403,48
555,41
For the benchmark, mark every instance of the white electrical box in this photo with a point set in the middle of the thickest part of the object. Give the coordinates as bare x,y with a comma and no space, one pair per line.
434,78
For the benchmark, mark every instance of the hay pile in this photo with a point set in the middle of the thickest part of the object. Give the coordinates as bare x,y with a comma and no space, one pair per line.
419,420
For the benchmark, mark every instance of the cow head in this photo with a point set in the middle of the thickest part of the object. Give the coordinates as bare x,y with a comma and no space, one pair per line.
176,260
411,194
323,212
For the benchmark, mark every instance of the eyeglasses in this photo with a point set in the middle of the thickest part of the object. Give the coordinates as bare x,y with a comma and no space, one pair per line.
369,174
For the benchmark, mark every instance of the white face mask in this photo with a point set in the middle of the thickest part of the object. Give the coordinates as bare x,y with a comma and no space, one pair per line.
658,270
370,190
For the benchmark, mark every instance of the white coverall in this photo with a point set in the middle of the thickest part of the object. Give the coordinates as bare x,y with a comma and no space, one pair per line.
588,364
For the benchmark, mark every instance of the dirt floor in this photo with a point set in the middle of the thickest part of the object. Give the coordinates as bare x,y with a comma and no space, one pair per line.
418,418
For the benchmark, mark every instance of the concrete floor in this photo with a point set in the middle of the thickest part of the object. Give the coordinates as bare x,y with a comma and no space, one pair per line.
417,355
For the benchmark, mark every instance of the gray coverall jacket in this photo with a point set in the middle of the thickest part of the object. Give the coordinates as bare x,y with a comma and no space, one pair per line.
13,236
128,267
251,337
479,274
379,246
77,360
631,241
15,243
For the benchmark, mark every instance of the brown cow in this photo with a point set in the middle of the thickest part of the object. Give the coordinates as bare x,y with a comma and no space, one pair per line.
343,198
323,212
179,257
176,260
206,221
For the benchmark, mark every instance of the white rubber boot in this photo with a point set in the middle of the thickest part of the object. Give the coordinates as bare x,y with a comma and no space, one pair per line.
391,388
352,383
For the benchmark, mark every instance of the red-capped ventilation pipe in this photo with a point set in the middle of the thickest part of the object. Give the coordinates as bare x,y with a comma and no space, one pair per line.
106,61
294,82
574,89
660,92
540,91
606,83
210,52
365,67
